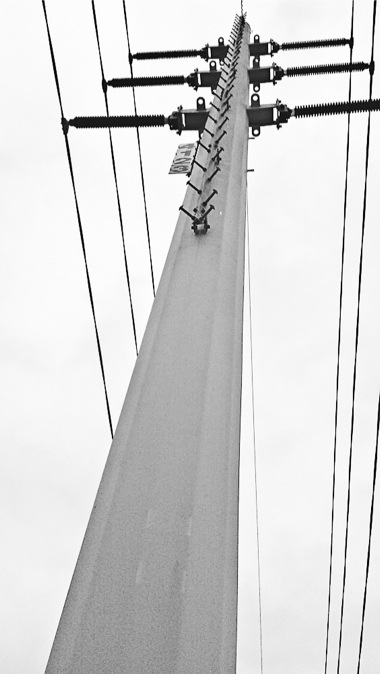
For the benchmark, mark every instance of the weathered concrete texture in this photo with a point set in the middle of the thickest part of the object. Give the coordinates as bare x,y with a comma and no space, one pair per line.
155,586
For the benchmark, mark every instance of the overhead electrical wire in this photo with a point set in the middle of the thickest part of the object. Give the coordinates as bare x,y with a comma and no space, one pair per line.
79,222
356,343
369,536
104,86
140,154
337,378
254,439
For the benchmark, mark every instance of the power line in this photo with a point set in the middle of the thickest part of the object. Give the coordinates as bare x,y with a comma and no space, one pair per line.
339,345
140,155
104,86
356,342
79,221
254,441
369,536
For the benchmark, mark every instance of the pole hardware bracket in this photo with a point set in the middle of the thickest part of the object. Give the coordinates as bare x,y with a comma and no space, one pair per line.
189,120
200,226
258,76
266,115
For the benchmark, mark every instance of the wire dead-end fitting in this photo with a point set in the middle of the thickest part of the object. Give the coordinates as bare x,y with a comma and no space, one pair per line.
65,126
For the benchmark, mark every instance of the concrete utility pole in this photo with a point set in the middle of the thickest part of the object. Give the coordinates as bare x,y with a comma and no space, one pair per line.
155,587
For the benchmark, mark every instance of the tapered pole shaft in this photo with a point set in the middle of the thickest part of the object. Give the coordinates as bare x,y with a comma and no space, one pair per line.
155,585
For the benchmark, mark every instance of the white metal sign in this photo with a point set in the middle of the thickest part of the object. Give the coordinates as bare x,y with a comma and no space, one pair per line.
183,158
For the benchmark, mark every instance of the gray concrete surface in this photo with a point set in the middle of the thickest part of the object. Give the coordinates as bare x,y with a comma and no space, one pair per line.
155,586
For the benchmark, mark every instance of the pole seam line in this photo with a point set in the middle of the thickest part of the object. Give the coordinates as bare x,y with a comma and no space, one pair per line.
140,155
116,183
79,223
254,437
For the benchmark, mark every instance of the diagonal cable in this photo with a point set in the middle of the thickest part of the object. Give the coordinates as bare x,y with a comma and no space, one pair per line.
369,536
140,155
104,86
356,345
254,442
79,222
339,345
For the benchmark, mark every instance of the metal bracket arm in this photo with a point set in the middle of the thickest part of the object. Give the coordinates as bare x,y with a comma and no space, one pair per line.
187,120
210,78
273,114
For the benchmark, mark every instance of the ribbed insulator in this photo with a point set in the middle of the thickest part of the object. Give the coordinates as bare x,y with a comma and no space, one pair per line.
117,122
146,81
184,53
336,108
339,42
325,69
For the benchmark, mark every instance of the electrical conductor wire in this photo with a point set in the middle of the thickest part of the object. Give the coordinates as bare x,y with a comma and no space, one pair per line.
369,536
115,179
356,344
79,222
254,439
140,155
339,346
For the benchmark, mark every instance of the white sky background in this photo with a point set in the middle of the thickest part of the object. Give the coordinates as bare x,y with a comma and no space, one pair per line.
54,430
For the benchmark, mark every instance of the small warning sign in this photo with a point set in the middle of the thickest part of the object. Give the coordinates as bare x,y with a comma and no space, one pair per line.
183,158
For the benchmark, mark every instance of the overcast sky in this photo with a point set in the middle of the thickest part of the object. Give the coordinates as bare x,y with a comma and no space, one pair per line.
54,430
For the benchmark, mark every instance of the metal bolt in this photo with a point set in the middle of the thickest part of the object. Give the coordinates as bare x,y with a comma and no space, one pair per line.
205,202
223,123
200,165
216,157
205,147
194,188
213,174
228,90
181,208
217,141
227,100
212,208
